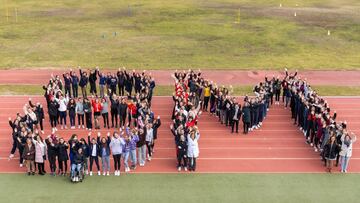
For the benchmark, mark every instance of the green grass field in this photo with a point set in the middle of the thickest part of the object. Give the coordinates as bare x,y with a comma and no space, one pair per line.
164,34
249,188
168,90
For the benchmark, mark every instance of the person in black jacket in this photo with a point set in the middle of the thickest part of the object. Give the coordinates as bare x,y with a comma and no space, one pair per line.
114,110
330,152
62,156
67,80
94,153
129,81
122,111
235,117
246,117
85,149
121,82
155,127
79,159
72,112
52,152
84,79
16,130
74,83
53,113
39,111
182,153
92,80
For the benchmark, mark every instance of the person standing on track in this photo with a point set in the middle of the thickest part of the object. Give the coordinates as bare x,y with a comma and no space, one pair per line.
235,117
29,156
330,152
74,83
84,79
193,147
346,150
79,110
116,145
88,114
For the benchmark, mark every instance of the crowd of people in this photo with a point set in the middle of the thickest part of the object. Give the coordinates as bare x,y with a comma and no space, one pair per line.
134,123
135,126
312,114
186,112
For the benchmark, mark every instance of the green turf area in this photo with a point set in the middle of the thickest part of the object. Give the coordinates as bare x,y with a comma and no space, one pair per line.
168,90
163,34
184,188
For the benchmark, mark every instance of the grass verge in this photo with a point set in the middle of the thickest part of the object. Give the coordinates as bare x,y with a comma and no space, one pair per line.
168,90
279,188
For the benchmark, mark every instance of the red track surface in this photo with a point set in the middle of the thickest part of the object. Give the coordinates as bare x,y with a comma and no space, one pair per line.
28,76
278,147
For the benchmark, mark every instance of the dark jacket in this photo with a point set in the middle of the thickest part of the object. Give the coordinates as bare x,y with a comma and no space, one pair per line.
155,127
105,146
29,152
330,150
232,113
53,108
78,158
62,152
142,137
182,148
246,114
91,147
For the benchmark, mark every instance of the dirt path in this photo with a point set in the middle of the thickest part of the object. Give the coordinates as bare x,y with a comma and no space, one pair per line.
233,77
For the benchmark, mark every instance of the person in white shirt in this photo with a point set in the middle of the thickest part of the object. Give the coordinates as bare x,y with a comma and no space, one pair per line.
116,145
63,102
193,147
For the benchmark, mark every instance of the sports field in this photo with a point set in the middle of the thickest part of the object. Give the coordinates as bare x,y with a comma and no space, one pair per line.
233,42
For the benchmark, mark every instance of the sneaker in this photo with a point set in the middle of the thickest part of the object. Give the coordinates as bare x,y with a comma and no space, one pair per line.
179,168
107,174
83,127
185,168
86,172
61,127
104,173
77,179
42,132
21,165
99,173
311,144
79,126
90,173
56,129
65,127
315,149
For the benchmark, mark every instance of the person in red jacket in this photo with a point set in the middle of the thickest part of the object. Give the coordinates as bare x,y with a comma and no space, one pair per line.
96,105
132,109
